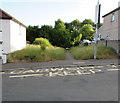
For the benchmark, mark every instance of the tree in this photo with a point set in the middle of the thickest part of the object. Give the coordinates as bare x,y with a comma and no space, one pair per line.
76,24
63,34
74,28
69,26
32,32
46,31
87,32
88,21
61,38
76,40
59,24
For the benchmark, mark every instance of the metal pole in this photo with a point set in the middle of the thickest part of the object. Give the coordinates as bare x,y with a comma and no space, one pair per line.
95,45
96,33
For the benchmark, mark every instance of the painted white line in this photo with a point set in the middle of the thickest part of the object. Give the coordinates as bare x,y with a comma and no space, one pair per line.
50,74
65,73
92,71
79,72
2,72
21,76
113,69
81,68
100,66
114,66
89,67
78,62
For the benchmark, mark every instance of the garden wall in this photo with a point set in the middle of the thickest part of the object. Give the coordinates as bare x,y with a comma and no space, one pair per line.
115,44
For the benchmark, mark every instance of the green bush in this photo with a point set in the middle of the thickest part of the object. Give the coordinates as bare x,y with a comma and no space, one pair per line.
42,41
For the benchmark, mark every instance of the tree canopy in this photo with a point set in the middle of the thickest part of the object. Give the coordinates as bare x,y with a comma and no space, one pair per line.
63,34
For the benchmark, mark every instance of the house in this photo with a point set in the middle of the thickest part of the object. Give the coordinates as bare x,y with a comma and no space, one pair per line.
12,33
111,29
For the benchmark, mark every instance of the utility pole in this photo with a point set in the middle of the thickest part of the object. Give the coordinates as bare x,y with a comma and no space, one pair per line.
97,21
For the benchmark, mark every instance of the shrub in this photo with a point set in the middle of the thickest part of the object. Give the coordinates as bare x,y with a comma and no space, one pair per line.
42,41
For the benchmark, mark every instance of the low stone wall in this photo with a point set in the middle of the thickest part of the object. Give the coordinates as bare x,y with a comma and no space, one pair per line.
115,44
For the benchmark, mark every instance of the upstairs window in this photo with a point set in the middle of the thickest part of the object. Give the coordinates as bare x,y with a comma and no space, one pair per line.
113,17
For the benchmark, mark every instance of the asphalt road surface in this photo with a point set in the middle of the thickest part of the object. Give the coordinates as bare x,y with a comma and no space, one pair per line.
52,84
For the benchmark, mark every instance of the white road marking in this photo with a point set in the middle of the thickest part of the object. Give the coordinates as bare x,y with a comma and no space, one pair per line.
21,76
58,71
113,69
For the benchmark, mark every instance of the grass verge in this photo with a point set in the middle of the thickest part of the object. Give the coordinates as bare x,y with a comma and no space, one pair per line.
87,52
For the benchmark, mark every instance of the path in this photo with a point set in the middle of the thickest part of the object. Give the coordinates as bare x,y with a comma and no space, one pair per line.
69,56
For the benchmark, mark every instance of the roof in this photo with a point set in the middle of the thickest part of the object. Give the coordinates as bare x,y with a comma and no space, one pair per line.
112,11
5,15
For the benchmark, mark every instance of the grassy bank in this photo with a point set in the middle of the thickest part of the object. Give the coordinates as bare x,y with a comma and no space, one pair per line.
87,52
34,53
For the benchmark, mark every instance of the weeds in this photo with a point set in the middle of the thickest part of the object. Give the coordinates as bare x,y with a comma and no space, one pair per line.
87,52
37,54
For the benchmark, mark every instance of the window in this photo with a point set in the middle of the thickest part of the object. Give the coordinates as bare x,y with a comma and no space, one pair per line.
113,17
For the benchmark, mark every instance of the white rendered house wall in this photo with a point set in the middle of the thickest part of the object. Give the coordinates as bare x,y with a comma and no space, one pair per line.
6,36
17,36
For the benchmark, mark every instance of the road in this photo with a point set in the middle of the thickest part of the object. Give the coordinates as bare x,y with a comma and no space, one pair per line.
91,83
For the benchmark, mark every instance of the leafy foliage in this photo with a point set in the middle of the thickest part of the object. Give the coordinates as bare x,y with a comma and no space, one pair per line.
76,40
88,21
42,42
59,24
32,32
45,31
87,32
63,34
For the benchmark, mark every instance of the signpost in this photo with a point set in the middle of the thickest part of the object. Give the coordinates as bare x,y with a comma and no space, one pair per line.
97,21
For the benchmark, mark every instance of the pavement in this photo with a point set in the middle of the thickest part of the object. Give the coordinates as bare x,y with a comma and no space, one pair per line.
60,63
102,86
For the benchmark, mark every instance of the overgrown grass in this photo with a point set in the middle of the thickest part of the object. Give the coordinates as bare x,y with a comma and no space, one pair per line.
36,54
106,53
87,52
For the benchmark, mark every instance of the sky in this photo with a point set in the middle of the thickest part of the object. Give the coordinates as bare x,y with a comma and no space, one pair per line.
46,12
